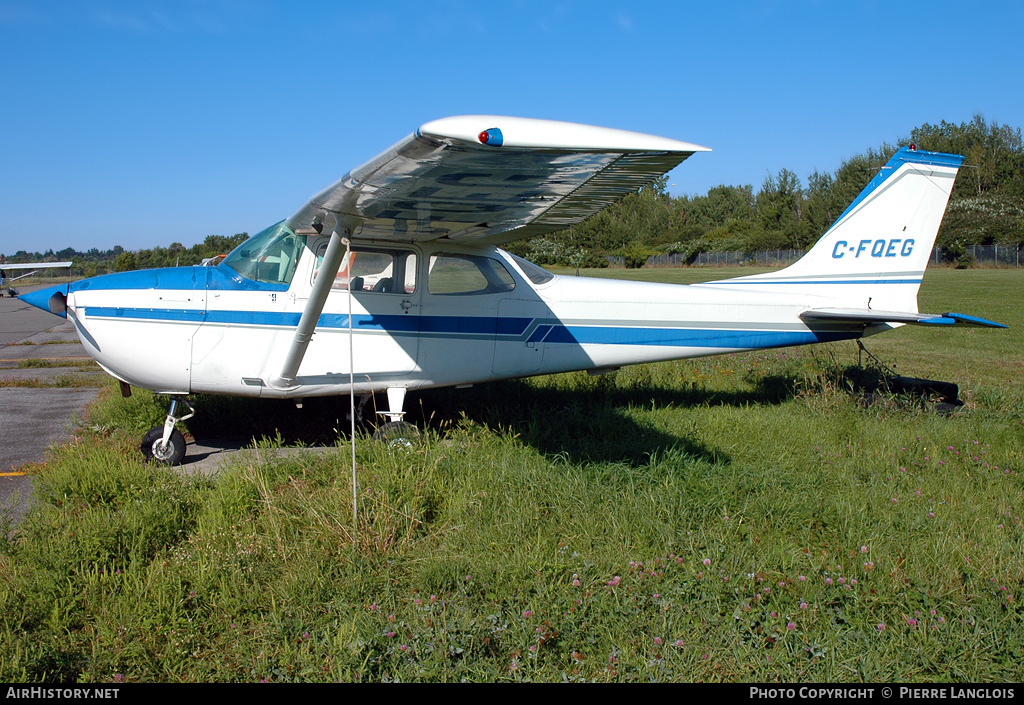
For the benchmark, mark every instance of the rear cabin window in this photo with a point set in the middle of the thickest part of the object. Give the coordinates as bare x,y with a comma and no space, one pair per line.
538,275
461,275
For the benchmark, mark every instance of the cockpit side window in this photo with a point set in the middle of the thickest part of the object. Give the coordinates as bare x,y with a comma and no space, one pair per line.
269,256
375,270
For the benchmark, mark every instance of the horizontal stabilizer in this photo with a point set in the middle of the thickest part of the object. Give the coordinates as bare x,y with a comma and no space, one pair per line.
964,320
867,316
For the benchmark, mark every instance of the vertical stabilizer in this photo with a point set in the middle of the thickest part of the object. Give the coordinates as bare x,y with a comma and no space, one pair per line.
875,254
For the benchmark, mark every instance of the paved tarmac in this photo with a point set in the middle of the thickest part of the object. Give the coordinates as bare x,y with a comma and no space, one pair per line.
39,414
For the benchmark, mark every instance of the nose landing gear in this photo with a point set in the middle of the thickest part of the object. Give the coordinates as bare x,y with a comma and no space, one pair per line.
165,444
396,432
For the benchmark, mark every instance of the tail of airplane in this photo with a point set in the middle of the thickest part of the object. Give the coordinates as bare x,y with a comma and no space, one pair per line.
873,258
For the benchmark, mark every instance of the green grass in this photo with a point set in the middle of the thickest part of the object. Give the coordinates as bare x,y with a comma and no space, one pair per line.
739,518
66,379
80,363
63,380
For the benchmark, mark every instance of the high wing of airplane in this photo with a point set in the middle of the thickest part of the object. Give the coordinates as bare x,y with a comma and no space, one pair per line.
391,279
6,271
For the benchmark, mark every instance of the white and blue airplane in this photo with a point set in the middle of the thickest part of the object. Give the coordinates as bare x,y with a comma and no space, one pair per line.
390,279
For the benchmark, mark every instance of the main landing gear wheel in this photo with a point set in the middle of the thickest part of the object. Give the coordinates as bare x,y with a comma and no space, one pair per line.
399,434
171,453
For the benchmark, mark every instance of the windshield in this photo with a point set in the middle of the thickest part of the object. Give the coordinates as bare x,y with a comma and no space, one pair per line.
269,256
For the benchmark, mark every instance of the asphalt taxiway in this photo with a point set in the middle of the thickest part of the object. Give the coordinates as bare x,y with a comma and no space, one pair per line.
38,405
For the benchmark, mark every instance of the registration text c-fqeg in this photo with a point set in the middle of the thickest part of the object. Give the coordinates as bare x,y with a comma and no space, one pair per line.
896,247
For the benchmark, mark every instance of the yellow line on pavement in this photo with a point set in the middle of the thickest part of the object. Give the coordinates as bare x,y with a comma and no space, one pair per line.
11,474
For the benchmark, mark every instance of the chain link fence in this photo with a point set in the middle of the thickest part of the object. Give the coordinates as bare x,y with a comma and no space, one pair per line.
986,255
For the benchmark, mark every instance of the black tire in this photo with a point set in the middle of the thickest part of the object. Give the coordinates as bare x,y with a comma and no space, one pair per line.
173,454
400,434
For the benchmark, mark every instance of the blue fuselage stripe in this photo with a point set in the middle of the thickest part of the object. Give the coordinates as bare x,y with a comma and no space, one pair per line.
149,314
688,337
507,329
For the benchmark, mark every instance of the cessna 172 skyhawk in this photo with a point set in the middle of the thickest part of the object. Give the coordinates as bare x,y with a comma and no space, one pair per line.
404,248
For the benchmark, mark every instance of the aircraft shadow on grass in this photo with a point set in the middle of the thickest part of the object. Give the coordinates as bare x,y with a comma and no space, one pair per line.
596,424
593,424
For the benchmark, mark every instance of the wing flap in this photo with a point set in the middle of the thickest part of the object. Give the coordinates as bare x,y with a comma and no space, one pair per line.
492,179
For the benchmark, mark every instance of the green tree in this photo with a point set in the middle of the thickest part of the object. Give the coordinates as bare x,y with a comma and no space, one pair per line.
779,208
988,196
720,205
125,262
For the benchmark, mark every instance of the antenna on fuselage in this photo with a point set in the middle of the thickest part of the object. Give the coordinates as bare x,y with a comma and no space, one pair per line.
351,387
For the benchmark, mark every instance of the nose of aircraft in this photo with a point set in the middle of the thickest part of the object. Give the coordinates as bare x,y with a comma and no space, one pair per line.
52,299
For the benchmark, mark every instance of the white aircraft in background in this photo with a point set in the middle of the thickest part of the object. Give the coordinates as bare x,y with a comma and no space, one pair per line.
6,269
404,247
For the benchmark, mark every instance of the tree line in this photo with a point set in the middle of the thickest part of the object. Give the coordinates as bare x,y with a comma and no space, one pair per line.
986,207
118,259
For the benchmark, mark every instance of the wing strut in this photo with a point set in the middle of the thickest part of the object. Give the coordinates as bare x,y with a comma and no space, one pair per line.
311,314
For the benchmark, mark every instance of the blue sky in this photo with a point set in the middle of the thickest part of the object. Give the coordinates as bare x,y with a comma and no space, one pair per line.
147,122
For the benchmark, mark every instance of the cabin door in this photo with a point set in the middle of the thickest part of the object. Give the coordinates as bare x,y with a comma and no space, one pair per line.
385,315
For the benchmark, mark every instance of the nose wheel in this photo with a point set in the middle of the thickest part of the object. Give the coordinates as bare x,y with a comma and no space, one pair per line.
400,434
165,444
170,453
